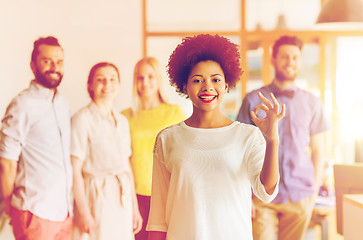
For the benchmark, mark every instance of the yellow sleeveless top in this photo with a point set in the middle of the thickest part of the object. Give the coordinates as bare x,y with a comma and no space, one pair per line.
144,127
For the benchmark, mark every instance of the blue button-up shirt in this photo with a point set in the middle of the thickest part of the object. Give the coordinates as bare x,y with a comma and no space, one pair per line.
304,117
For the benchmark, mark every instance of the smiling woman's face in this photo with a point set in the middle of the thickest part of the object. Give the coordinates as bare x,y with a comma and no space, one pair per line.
146,82
105,83
206,86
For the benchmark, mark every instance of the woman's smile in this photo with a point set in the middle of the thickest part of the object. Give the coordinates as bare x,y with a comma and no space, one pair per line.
207,98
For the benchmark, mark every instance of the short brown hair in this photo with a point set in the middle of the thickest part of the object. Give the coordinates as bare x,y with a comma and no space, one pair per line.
52,41
286,40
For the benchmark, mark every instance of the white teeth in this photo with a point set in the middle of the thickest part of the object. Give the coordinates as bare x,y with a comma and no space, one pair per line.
207,97
53,75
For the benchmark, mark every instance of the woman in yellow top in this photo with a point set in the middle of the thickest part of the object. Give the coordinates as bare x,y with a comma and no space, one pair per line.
150,114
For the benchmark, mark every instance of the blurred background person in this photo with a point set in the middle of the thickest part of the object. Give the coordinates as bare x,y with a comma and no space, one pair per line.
149,114
105,201
35,167
301,147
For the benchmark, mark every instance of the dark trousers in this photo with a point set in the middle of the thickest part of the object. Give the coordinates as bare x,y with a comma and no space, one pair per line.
144,208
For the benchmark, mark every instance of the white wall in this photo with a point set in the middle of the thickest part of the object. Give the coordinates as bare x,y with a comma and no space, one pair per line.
89,31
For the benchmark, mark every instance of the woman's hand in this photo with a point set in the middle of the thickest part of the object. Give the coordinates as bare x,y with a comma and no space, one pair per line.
268,125
137,220
86,223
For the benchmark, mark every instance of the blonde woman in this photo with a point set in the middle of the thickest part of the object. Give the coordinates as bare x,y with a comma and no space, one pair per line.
149,114
105,201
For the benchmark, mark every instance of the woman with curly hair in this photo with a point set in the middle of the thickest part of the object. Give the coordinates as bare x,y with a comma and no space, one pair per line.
204,167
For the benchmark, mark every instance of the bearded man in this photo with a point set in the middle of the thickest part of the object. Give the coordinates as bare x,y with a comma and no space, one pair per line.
300,151
35,166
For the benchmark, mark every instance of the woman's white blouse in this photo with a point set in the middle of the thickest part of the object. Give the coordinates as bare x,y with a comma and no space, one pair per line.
202,181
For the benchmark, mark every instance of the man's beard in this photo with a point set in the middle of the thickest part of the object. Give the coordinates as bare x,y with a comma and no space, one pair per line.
281,77
45,80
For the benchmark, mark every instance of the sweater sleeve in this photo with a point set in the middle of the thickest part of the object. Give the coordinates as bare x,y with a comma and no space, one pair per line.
255,161
159,190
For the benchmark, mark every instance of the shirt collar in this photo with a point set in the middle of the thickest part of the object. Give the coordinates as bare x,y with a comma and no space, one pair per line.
278,91
46,92
94,108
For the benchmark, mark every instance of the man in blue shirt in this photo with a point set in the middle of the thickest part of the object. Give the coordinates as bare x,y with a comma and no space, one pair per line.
301,147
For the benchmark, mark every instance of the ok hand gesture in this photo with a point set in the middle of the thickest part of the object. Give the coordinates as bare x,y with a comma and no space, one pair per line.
268,125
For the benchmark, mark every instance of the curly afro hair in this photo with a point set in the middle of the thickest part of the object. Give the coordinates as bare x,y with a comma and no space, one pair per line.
200,48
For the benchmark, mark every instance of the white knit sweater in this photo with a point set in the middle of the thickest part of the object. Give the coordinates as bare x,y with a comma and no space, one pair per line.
202,181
